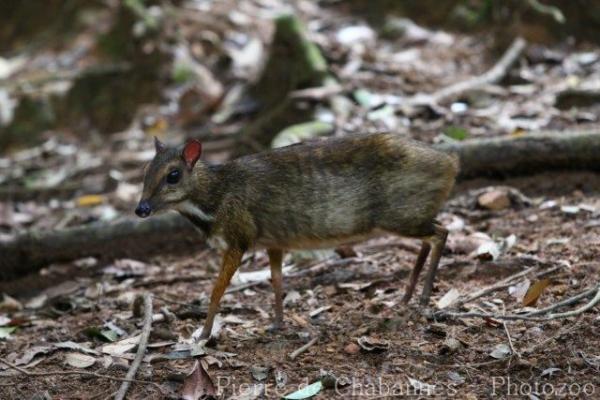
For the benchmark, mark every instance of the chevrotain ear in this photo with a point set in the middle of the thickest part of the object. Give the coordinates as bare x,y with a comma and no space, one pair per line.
158,145
192,152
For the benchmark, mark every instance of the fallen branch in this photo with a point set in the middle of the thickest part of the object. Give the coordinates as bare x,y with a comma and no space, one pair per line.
141,350
494,75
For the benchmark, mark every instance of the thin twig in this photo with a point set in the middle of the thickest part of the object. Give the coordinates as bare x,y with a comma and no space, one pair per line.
171,280
243,286
69,372
325,265
468,365
511,317
393,245
506,282
495,287
317,93
566,302
560,333
491,76
510,342
580,310
302,349
141,347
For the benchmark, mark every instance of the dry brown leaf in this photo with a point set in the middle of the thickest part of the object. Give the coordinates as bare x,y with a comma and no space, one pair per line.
90,200
448,299
198,384
119,348
31,353
373,344
78,360
535,291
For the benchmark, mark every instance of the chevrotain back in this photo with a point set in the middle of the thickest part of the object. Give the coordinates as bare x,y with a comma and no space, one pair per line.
332,191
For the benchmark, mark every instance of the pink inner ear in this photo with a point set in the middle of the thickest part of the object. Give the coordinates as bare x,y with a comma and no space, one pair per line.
192,152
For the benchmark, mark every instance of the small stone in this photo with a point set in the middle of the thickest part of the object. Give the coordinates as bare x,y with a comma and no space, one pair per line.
352,348
452,344
494,200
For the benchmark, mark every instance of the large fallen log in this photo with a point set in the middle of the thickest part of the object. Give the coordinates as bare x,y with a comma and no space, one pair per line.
497,157
135,238
526,154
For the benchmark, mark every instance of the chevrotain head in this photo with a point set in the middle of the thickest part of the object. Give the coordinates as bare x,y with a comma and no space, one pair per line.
169,178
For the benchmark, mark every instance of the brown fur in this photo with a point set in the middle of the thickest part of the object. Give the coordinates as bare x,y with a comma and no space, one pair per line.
309,195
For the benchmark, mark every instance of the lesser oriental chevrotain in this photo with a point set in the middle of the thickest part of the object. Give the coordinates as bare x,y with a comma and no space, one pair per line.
305,196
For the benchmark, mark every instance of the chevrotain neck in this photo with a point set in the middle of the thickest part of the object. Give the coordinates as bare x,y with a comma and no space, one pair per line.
208,189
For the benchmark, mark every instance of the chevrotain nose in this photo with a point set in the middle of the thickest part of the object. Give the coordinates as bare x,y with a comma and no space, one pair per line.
143,209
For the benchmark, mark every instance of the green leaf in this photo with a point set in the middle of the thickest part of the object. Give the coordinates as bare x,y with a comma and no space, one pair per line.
183,72
306,392
381,113
105,335
300,132
364,98
456,133
110,335
5,331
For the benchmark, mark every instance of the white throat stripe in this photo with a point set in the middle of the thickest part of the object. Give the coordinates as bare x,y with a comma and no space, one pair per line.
190,208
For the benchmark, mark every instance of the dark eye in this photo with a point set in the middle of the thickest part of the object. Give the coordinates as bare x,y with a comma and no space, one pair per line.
173,177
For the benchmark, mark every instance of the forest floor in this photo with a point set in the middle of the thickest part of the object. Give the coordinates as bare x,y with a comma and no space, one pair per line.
75,316
339,305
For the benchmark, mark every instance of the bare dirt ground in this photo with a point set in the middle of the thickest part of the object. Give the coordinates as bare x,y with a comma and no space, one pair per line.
75,316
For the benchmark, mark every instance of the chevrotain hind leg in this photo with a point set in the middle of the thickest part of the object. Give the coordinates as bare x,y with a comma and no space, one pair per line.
414,275
232,259
275,260
438,241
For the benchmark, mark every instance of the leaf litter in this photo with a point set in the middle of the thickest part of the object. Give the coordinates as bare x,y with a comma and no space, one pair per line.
365,332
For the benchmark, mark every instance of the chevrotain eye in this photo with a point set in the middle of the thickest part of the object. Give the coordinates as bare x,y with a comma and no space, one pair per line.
173,176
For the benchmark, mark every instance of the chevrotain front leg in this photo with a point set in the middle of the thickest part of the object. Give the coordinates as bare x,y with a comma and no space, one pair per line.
232,258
